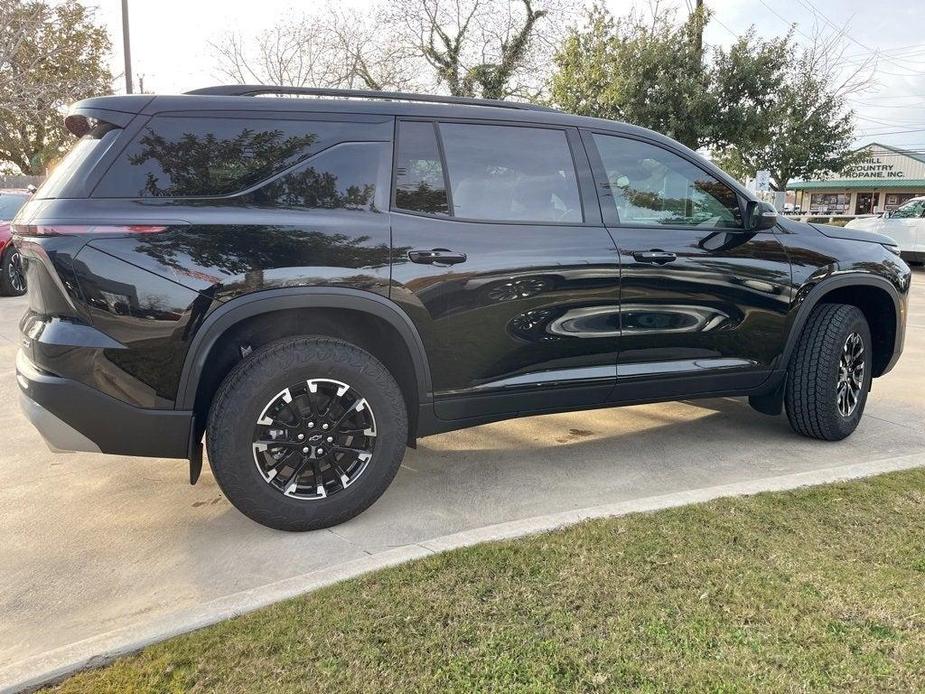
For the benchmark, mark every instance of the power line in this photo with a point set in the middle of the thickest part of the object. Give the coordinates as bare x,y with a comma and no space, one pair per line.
717,20
892,124
793,25
867,133
842,31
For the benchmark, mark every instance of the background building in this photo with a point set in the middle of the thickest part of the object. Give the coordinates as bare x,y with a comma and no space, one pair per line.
883,180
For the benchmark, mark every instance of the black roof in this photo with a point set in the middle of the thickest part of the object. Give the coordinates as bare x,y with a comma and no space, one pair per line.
240,98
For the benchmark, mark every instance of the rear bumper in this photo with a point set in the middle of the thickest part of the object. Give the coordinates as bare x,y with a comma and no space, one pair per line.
71,416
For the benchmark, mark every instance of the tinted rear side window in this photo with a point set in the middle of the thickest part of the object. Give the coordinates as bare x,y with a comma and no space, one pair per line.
511,173
194,157
419,182
346,176
68,176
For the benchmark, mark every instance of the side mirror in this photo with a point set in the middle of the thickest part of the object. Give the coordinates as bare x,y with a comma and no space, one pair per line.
759,215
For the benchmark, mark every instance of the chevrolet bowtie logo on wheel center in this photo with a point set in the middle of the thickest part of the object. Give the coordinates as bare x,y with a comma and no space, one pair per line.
315,439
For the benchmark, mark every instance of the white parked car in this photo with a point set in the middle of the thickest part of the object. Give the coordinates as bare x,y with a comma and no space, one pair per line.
905,225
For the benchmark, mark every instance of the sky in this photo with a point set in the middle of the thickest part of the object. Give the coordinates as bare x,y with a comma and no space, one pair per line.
171,52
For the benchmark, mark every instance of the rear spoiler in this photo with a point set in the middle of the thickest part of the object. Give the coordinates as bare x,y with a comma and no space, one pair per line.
117,110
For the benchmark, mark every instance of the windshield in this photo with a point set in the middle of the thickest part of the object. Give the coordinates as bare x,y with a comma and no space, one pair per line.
9,205
913,208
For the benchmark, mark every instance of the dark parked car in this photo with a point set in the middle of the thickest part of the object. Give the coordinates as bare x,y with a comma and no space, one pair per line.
12,277
313,284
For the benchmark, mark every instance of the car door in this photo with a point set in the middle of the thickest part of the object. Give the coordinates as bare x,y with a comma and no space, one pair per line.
704,303
501,260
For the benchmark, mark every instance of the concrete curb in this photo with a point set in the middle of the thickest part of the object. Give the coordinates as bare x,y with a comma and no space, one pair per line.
34,672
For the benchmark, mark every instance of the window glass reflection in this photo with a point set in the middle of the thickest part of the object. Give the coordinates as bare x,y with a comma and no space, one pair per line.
191,157
652,186
511,174
343,177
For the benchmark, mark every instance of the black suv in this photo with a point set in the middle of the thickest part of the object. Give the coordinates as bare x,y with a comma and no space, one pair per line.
311,284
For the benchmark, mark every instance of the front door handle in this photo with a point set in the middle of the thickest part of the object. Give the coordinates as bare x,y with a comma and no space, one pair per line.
657,256
436,256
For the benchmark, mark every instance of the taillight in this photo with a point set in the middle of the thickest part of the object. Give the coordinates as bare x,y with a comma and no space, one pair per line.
79,229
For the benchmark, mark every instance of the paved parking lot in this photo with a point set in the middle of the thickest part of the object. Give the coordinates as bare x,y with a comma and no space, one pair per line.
93,545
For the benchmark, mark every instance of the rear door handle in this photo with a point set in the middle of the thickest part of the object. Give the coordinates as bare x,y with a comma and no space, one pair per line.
436,256
656,256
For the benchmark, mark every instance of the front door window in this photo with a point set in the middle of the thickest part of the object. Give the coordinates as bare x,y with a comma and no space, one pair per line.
651,186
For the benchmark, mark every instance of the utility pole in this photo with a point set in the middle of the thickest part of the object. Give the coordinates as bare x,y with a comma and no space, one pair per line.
698,37
126,48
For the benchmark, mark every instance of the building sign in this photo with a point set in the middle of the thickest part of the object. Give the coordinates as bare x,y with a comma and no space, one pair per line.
874,167
885,163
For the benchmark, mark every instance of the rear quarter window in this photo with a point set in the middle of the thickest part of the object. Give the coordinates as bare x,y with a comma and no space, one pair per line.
177,157
69,176
348,176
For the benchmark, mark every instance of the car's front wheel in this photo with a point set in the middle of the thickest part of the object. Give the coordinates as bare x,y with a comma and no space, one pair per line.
829,374
306,433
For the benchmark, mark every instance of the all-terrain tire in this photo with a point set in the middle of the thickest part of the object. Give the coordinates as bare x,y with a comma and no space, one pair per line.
253,383
810,396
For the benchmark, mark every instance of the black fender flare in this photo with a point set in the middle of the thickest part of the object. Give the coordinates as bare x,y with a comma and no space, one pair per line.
267,301
837,281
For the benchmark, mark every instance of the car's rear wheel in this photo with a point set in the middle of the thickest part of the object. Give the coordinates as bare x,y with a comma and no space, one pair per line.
306,433
829,374
12,276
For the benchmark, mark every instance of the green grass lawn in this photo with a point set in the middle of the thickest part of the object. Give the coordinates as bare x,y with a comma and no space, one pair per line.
818,589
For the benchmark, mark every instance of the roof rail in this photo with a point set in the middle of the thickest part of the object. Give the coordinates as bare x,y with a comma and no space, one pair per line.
255,89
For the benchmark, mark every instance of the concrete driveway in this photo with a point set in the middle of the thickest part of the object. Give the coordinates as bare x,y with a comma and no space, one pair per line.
101,553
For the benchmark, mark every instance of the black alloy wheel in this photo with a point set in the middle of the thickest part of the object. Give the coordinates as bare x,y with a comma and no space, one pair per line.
314,439
850,374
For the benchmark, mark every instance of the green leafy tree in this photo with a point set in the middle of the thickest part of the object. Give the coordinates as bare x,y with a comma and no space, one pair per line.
649,73
50,56
807,129
760,104
746,81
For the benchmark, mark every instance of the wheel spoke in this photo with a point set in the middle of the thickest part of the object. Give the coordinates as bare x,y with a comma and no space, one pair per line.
293,479
296,417
271,443
319,478
310,396
276,464
361,403
344,449
342,477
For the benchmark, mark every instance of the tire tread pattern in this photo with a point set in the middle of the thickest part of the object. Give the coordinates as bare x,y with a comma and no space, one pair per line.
809,392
